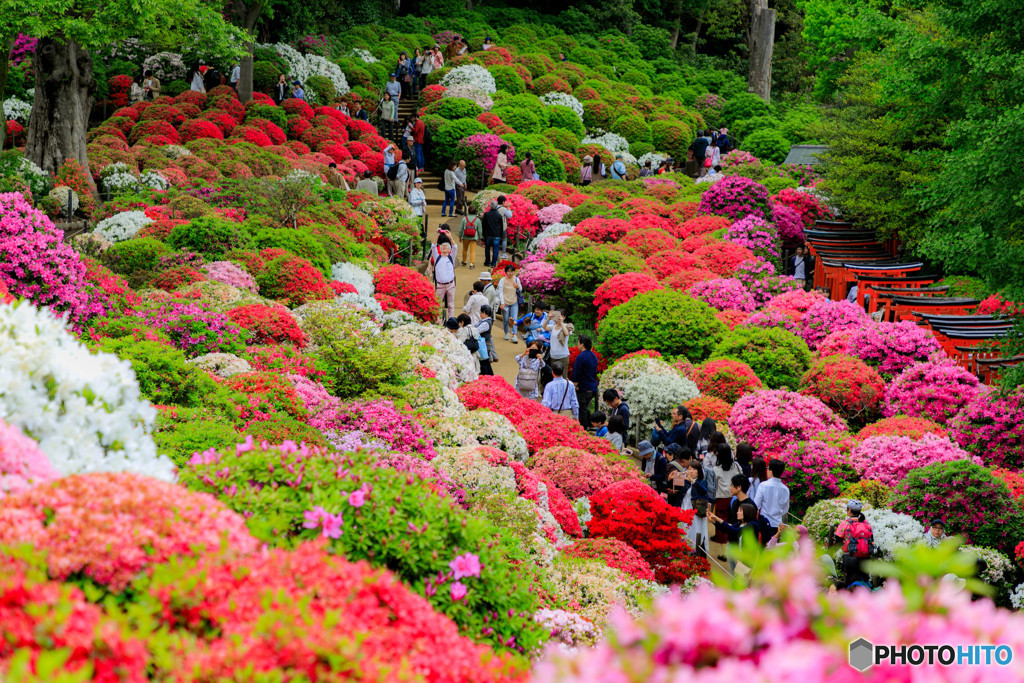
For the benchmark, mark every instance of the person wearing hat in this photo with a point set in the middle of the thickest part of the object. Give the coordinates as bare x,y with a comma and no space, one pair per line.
442,257
586,170
619,168
297,91
394,88
935,534
645,451
417,199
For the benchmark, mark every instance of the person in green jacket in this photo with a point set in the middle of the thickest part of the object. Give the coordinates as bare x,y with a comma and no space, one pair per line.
388,116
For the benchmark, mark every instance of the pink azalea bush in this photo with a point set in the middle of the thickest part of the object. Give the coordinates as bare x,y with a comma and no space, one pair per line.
539,277
788,223
937,389
826,317
22,464
837,343
552,213
485,146
892,347
818,469
773,633
36,263
770,318
724,294
380,420
770,420
756,234
992,426
888,458
523,223
760,279
736,197
230,274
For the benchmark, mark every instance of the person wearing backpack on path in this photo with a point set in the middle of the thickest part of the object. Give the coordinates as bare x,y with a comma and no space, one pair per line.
858,543
469,233
442,257
493,225
398,176
528,379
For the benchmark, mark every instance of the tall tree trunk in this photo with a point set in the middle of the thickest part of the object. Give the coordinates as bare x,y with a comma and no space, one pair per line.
761,41
6,45
696,32
247,16
62,103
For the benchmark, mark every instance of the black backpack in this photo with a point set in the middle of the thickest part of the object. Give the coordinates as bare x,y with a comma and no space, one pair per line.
393,171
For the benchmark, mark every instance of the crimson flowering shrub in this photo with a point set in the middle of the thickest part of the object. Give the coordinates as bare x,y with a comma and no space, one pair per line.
701,225
704,407
992,426
176,277
736,197
269,396
892,347
723,258
632,512
770,420
827,317
547,429
847,386
524,223
579,473
613,553
618,289
494,393
724,294
680,570
937,389
733,318
408,286
108,291
816,469
162,112
22,464
603,230
528,484
1014,482
649,241
684,279
112,527
293,281
966,497
268,324
901,425
36,263
805,204
200,128
888,458
665,263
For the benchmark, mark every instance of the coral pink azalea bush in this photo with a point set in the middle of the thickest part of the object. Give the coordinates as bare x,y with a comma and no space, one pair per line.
579,473
937,389
888,458
901,425
770,420
725,379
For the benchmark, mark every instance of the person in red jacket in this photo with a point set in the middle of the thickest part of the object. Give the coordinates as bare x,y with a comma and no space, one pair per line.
418,131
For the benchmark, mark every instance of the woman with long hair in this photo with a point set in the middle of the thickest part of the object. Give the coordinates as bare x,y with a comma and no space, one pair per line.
597,169
500,164
725,469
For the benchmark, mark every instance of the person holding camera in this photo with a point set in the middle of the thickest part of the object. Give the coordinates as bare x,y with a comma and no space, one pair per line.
528,379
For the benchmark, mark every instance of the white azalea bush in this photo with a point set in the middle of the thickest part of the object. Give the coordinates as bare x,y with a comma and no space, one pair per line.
615,144
153,180
37,179
176,151
560,99
998,567
495,430
167,66
620,374
122,226
301,67
354,275
17,110
435,349
653,397
365,55
84,409
367,302
472,75
553,230
893,530
117,178
473,94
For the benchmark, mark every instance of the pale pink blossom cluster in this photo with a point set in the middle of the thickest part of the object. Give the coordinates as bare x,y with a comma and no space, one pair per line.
771,419
888,458
539,277
552,213
230,274
22,464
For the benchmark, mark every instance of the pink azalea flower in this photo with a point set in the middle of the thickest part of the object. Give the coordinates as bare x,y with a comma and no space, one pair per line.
357,498
313,517
459,591
332,526
465,566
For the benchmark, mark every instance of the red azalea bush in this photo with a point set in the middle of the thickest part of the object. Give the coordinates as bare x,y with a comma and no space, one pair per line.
837,343
678,571
733,318
770,420
668,262
547,429
160,112
107,290
795,302
606,230
574,352
685,279
846,385
494,393
726,379
293,280
269,324
579,473
992,426
643,221
649,241
704,407
1014,482
111,527
701,225
632,512
523,223
901,425
937,390
268,394
200,128
408,286
807,205
723,258
618,289
173,278
613,553
560,507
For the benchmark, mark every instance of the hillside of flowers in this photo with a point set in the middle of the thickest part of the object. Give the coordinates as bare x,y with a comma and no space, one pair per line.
236,446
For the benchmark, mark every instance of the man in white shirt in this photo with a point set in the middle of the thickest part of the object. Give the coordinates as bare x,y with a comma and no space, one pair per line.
393,88
559,394
772,497
476,300
442,256
236,75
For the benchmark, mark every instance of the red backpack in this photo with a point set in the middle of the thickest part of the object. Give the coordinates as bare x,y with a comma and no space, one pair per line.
858,541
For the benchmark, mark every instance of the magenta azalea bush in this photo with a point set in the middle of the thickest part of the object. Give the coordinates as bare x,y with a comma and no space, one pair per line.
991,426
539,277
788,223
817,469
736,197
892,347
772,419
484,148
827,317
837,343
35,262
724,294
194,329
756,234
769,318
888,458
937,389
761,281
22,464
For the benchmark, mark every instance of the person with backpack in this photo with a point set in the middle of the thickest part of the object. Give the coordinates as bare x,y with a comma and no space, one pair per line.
619,168
586,170
858,541
442,258
528,379
398,176
772,495
469,338
469,233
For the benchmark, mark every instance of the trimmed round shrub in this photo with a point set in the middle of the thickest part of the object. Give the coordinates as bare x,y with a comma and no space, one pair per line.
770,420
451,133
671,137
891,348
525,120
992,427
736,197
671,322
293,281
135,255
767,144
507,80
586,270
210,236
778,357
613,553
452,108
620,288
579,473
828,317
726,379
847,386
937,390
633,127
704,407
966,496
632,512
565,119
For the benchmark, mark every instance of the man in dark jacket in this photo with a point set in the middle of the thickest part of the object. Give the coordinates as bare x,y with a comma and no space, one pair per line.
683,432
584,376
697,149
493,227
